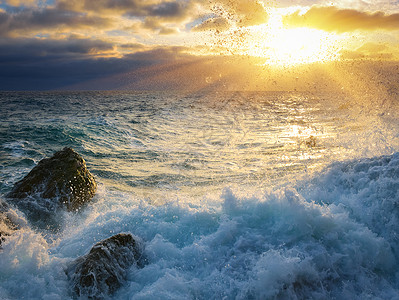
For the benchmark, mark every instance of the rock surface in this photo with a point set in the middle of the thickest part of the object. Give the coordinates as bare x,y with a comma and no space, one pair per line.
61,181
102,271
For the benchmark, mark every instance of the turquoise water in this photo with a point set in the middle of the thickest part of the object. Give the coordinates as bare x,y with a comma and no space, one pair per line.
235,195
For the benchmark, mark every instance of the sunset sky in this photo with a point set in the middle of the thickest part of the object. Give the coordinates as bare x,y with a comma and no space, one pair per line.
173,44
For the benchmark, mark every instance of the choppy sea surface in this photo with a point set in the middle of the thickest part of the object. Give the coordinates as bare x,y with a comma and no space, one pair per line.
235,195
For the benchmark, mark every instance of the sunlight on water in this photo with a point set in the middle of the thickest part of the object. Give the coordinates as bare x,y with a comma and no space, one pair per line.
195,144
230,192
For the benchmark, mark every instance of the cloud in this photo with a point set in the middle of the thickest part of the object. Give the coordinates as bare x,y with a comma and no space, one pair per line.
132,46
218,23
358,55
163,17
136,7
242,12
15,50
373,47
97,6
371,51
16,3
31,64
34,20
155,25
342,20
168,31
165,10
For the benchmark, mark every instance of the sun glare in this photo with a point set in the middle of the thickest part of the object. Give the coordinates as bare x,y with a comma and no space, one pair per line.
291,46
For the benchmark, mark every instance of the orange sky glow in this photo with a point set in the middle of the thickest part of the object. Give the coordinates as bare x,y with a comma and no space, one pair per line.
179,43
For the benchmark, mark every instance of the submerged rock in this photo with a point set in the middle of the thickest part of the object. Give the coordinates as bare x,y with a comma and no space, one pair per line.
61,181
103,270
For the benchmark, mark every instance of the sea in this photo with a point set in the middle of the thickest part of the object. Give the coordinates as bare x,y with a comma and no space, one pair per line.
232,194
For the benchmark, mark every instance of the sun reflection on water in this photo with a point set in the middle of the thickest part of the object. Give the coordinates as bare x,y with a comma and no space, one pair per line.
202,144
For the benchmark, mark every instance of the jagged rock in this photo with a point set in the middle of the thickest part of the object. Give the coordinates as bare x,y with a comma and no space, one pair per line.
103,270
55,183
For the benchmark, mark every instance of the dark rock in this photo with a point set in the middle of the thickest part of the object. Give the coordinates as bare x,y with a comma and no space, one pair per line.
64,175
61,181
103,270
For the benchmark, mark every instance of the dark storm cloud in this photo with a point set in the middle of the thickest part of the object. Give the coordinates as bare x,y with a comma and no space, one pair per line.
31,64
31,49
28,20
342,20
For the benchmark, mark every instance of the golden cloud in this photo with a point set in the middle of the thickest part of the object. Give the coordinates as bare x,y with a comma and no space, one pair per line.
371,51
168,31
21,2
242,12
373,47
342,20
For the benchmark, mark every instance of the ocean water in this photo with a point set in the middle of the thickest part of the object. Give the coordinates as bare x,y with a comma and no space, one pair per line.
233,195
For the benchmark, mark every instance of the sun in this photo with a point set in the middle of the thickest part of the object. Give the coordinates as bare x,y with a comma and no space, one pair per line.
291,46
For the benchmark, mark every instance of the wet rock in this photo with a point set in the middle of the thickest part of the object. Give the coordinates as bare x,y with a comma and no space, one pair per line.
102,271
56,183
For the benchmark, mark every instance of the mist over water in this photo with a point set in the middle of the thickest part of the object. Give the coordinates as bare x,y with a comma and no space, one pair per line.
236,195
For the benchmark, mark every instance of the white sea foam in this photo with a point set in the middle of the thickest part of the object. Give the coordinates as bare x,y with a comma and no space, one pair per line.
289,243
